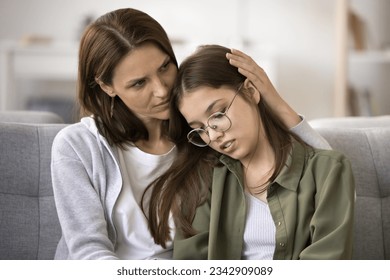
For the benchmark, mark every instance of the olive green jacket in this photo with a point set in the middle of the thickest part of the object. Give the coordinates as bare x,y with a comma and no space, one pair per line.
311,202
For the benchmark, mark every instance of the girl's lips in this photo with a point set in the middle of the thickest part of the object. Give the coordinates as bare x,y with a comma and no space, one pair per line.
226,145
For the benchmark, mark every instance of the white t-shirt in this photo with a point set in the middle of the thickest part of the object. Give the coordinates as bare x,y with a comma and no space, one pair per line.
259,232
138,170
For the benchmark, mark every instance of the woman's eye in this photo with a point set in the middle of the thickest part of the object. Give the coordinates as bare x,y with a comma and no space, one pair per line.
165,66
139,83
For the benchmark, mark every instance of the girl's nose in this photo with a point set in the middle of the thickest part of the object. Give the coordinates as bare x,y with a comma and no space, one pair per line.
214,135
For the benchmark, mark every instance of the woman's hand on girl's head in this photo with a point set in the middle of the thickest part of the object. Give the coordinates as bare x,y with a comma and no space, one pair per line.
250,69
257,76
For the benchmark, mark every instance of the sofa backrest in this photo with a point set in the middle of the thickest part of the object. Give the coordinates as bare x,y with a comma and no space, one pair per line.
29,227
352,122
25,116
369,152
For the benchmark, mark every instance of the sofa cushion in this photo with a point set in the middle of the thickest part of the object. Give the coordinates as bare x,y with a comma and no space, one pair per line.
29,226
369,152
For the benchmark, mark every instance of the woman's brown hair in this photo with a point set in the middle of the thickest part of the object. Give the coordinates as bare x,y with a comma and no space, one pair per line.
103,45
186,184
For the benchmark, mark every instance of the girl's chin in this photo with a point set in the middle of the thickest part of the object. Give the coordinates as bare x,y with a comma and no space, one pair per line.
234,154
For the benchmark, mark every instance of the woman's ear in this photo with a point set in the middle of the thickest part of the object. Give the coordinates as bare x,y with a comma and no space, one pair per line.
106,88
254,94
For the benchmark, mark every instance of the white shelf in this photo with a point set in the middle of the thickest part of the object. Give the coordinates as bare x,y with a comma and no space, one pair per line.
366,70
51,61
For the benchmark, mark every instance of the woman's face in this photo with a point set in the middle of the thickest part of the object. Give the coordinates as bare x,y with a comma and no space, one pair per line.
240,140
143,81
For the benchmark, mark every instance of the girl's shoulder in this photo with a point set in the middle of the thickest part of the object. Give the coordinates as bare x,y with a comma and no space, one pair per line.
320,161
326,155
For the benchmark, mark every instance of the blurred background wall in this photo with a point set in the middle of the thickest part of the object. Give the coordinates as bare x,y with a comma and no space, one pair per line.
294,40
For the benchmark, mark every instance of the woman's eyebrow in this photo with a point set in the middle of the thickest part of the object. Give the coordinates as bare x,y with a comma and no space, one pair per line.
135,80
166,60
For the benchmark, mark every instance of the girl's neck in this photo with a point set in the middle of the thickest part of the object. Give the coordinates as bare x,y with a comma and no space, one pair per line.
262,155
259,169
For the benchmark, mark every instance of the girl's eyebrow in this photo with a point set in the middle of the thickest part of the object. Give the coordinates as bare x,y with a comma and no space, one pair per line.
211,106
209,110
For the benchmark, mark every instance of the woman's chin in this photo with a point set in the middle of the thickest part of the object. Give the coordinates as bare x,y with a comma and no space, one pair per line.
164,115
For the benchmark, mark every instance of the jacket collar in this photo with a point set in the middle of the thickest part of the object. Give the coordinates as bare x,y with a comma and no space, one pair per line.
90,124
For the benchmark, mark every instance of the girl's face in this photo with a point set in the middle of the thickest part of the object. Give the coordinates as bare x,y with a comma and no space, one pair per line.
240,140
143,81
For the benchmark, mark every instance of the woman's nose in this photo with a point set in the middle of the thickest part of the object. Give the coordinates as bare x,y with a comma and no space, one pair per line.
160,88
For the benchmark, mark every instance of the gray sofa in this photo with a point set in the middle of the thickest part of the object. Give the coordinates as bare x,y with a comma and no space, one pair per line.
369,152
29,227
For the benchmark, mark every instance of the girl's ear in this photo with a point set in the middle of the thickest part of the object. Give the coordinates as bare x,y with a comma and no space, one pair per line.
106,88
254,94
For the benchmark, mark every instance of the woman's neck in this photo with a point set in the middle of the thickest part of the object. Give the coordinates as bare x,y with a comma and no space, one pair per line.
157,143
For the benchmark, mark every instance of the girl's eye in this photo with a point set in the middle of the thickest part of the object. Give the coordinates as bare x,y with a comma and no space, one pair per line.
199,127
219,115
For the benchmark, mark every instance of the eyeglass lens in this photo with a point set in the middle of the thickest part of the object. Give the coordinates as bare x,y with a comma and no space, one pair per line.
218,122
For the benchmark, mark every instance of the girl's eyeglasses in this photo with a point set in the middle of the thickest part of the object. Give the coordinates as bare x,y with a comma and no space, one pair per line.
218,121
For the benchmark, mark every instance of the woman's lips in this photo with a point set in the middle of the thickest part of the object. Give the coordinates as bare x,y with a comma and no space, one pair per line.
162,106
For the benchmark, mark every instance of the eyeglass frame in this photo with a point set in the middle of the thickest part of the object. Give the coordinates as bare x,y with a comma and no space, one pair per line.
195,130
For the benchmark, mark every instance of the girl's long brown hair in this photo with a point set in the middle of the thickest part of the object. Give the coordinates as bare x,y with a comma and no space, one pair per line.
187,183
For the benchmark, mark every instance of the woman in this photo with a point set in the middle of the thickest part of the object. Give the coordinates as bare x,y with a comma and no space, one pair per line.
102,165
270,195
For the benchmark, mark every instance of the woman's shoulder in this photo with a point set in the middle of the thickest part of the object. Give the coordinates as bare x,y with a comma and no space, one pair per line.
80,135
81,142
83,128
